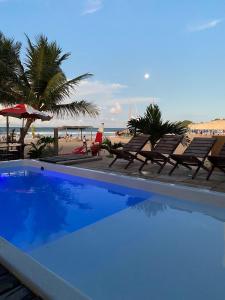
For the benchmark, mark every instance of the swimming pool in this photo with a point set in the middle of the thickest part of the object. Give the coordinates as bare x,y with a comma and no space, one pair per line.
38,206
136,240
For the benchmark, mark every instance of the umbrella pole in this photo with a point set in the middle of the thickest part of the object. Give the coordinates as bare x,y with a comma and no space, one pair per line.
7,130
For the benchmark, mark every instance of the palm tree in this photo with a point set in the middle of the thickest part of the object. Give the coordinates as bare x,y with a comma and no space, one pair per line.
151,123
9,58
40,80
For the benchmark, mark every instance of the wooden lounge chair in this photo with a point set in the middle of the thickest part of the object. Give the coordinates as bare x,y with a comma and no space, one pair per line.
131,150
195,155
217,161
162,151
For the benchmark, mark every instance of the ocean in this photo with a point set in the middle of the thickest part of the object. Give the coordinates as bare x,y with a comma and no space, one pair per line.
49,131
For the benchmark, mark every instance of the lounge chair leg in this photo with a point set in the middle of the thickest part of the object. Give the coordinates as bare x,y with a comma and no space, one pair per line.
172,164
112,162
196,171
162,166
142,166
130,162
210,172
172,170
187,166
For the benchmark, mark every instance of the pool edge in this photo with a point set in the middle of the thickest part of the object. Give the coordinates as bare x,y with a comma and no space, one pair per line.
35,276
203,195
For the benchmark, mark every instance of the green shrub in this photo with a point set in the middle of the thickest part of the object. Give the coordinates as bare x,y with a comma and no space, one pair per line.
42,148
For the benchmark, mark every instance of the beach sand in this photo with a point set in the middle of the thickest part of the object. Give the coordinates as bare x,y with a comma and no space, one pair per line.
66,146
212,125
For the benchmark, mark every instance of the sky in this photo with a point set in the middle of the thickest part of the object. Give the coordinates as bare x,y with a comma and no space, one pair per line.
168,52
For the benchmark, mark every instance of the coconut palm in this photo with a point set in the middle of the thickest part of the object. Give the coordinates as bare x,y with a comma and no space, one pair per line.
151,123
40,81
108,145
9,58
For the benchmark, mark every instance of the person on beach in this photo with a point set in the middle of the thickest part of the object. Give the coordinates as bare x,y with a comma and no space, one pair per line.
85,142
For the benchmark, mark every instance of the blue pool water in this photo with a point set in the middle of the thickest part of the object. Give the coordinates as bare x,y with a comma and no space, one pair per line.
37,207
146,246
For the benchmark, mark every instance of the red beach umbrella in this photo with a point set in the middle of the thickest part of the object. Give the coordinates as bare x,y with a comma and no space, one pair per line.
24,111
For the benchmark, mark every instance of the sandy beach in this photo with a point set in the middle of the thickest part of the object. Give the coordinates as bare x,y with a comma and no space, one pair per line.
66,146
217,125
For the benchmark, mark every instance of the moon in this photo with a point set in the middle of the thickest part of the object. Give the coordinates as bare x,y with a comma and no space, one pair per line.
146,76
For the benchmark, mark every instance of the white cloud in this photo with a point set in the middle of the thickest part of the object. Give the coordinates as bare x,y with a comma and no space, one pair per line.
132,106
136,100
98,88
116,109
109,97
204,26
92,6
114,106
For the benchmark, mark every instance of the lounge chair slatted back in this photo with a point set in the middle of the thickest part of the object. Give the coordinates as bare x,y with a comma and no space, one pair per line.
217,161
131,150
222,151
167,144
200,147
162,151
194,155
136,143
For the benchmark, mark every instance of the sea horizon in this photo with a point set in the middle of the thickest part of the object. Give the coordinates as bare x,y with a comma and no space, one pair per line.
49,131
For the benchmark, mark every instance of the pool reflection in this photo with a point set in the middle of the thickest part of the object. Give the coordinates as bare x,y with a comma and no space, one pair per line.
36,208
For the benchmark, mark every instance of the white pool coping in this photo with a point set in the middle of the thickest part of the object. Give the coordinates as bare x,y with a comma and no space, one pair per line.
35,276
47,284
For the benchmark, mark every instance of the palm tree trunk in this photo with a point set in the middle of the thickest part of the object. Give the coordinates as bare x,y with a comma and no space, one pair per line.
25,130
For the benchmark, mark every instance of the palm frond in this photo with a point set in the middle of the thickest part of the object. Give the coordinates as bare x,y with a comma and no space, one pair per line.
59,89
74,109
63,58
78,79
151,123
